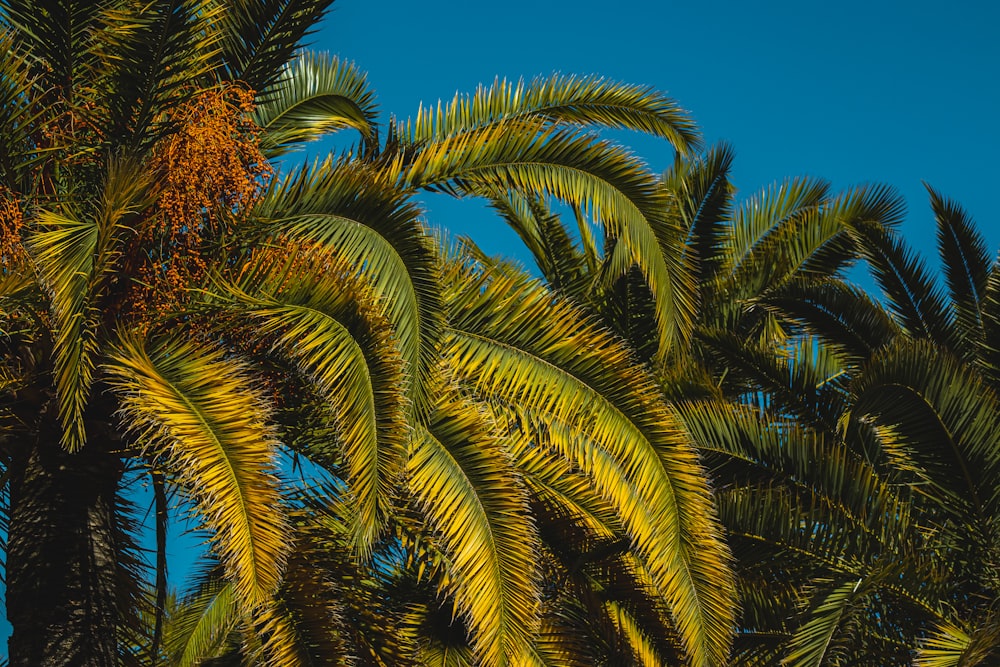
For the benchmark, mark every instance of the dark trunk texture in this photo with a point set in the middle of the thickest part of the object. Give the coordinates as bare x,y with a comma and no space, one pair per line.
61,560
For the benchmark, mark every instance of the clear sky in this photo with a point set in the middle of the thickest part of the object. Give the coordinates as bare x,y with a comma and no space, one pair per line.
854,92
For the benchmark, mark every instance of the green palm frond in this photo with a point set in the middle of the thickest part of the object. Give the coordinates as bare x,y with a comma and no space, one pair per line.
477,510
200,624
988,354
951,645
843,316
63,249
757,217
940,419
701,196
966,266
57,38
746,448
582,101
314,95
815,241
588,174
260,36
18,113
162,53
328,324
541,230
193,410
813,643
911,293
513,342
360,215
800,380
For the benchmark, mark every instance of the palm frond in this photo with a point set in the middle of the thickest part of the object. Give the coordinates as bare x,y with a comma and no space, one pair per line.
940,419
541,230
63,249
966,266
843,316
193,411
260,36
513,342
477,510
591,175
701,196
582,101
161,54
314,95
951,645
200,623
311,310
360,215
909,289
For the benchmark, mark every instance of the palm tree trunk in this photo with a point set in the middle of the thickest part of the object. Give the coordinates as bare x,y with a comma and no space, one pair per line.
61,555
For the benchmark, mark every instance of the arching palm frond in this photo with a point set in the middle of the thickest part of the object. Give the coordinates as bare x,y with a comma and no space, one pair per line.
966,265
258,37
309,309
313,96
588,174
589,102
357,214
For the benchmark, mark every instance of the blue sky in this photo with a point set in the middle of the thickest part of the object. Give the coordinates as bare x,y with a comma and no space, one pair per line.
853,92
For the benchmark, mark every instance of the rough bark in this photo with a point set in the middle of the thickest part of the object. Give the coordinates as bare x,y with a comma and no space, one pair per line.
61,560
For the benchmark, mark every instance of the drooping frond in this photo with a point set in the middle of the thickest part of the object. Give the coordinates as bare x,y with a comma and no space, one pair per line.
911,293
64,251
260,36
588,102
541,230
200,623
477,510
585,173
360,215
57,38
701,196
951,645
842,315
310,309
314,95
513,342
942,419
966,266
17,113
761,213
195,412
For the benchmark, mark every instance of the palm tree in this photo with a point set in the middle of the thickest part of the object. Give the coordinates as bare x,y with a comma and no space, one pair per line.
130,161
171,306
883,552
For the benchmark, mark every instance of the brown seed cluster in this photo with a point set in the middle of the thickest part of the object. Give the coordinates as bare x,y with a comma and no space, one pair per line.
210,172
11,221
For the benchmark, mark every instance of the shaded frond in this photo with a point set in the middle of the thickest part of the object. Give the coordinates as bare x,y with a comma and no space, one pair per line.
512,341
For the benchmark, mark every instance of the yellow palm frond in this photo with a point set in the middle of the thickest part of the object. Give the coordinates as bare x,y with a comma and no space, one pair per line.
193,410
512,341
477,513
